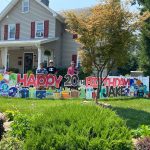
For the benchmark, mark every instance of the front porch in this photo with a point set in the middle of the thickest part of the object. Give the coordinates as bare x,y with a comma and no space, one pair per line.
24,55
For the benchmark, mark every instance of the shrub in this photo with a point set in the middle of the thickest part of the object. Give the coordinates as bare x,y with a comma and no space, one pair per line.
83,75
11,143
20,126
143,144
62,71
142,131
10,114
29,72
78,127
14,70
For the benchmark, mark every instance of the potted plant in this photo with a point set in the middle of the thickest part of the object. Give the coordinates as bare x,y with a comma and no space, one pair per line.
47,53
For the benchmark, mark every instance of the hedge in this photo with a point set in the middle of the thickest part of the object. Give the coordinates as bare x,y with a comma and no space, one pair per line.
76,127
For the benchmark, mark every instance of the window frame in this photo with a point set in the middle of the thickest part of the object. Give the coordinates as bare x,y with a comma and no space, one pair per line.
23,1
36,24
9,26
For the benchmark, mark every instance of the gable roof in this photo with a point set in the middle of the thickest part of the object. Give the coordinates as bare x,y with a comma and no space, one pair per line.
14,2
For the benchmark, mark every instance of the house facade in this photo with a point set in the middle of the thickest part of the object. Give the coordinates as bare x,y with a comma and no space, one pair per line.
28,30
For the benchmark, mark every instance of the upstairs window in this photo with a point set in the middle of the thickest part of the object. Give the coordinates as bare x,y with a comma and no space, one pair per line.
11,31
39,30
25,6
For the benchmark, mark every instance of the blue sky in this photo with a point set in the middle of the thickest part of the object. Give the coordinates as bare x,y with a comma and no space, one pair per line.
59,5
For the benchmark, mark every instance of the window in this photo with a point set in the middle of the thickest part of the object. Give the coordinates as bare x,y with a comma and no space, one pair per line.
39,31
25,6
11,31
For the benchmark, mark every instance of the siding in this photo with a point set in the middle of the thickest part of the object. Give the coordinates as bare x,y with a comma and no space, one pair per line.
1,31
70,47
59,44
36,13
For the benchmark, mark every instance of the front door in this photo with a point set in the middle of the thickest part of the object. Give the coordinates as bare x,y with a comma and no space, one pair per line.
28,62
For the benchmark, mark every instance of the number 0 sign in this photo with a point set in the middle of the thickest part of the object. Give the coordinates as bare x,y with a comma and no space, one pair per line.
71,80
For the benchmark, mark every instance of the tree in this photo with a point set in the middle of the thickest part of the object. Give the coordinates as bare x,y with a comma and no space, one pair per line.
144,57
131,65
105,34
145,3
145,48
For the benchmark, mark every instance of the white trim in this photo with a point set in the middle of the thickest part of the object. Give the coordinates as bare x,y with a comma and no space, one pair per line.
24,57
9,25
36,23
26,42
23,7
39,56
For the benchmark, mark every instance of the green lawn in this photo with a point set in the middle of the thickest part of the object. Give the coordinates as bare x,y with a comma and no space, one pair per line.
32,106
135,111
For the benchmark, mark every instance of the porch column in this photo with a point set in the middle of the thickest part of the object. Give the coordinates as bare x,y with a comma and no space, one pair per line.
39,56
4,57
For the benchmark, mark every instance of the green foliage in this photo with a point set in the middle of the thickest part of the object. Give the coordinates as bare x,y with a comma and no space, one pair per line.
105,34
143,144
62,71
145,46
144,61
29,72
14,70
142,131
145,3
10,114
47,53
20,126
82,75
131,65
78,127
130,109
10,143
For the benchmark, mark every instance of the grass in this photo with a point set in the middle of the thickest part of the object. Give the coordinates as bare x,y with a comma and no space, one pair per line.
31,106
135,111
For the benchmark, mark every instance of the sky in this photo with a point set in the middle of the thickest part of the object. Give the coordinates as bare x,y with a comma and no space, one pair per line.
60,5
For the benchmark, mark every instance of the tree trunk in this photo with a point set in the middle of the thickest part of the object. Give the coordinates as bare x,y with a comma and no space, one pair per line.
98,88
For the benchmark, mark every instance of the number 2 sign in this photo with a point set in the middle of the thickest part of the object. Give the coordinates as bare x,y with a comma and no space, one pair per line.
71,80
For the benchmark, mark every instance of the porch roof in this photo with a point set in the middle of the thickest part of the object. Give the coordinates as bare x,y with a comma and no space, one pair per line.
35,42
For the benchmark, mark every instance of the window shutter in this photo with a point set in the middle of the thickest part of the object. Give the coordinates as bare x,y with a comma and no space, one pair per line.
6,32
46,28
32,29
17,36
74,58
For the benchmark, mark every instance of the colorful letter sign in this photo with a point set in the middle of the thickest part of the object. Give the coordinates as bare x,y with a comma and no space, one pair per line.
52,87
